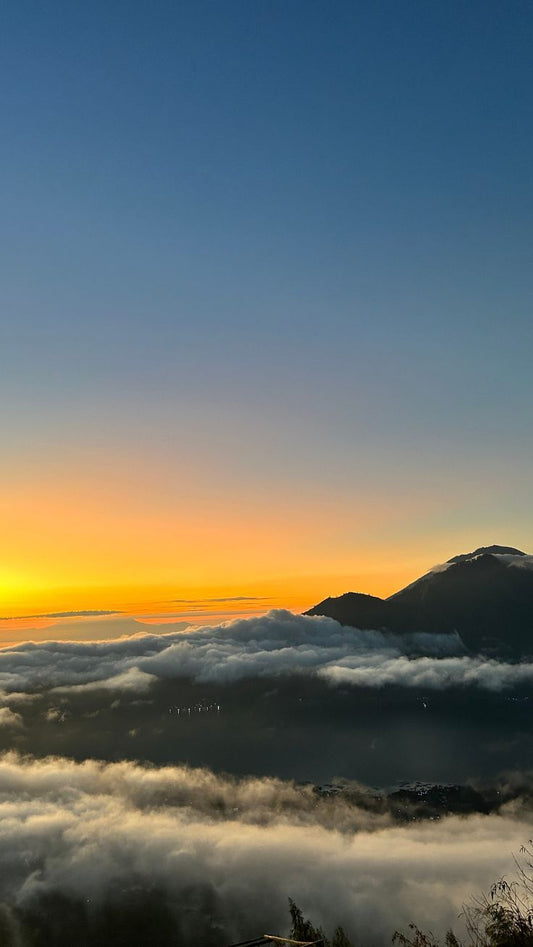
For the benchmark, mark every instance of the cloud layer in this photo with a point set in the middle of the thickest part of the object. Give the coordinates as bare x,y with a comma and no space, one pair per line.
277,643
226,854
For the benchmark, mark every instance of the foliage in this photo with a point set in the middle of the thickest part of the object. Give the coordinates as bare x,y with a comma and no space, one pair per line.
302,929
501,918
420,938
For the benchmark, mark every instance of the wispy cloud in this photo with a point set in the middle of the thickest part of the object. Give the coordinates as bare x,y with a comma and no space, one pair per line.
84,613
216,601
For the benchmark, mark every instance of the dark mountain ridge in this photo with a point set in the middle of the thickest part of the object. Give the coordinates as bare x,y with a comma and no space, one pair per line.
486,596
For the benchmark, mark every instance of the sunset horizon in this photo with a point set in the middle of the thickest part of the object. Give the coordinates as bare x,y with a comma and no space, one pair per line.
266,444
162,602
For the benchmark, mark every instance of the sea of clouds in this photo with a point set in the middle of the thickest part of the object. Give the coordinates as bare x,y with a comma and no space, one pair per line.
118,852
279,642
219,856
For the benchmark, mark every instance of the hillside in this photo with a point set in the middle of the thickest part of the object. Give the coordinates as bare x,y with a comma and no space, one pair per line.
486,596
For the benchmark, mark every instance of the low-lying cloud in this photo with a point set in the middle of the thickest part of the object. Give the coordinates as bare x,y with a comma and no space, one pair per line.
9,718
220,856
429,673
274,644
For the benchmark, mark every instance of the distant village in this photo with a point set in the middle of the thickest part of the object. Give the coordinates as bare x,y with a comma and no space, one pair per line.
200,707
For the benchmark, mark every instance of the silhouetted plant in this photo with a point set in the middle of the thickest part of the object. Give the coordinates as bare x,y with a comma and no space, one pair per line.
501,918
302,929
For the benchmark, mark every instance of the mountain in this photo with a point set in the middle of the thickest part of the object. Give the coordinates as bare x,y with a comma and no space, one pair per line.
486,596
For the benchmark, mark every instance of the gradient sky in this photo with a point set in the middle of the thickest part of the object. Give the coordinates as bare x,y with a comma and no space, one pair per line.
265,297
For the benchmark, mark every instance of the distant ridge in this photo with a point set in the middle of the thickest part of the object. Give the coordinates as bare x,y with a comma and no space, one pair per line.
486,596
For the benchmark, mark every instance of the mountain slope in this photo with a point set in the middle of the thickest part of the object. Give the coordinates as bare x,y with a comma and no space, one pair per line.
485,595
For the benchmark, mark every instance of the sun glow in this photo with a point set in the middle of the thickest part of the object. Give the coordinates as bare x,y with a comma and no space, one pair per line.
156,541
152,544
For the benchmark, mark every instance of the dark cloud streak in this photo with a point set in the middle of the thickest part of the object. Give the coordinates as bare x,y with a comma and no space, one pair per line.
84,613
208,601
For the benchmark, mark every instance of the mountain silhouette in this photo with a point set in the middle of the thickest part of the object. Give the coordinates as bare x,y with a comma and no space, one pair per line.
486,596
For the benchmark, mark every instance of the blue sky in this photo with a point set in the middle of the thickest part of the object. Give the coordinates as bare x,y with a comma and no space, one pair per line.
285,242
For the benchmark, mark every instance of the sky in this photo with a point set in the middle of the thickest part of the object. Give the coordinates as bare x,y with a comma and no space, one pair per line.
265,330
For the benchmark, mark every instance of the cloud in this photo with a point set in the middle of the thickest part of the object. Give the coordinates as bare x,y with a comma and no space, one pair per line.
208,601
131,680
520,562
429,673
223,855
86,613
279,642
97,628
8,718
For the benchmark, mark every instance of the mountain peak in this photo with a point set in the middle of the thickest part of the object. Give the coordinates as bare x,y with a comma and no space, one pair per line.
487,551
485,596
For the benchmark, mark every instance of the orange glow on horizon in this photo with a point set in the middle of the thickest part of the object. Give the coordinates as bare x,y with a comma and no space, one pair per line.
160,604
126,535
70,544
